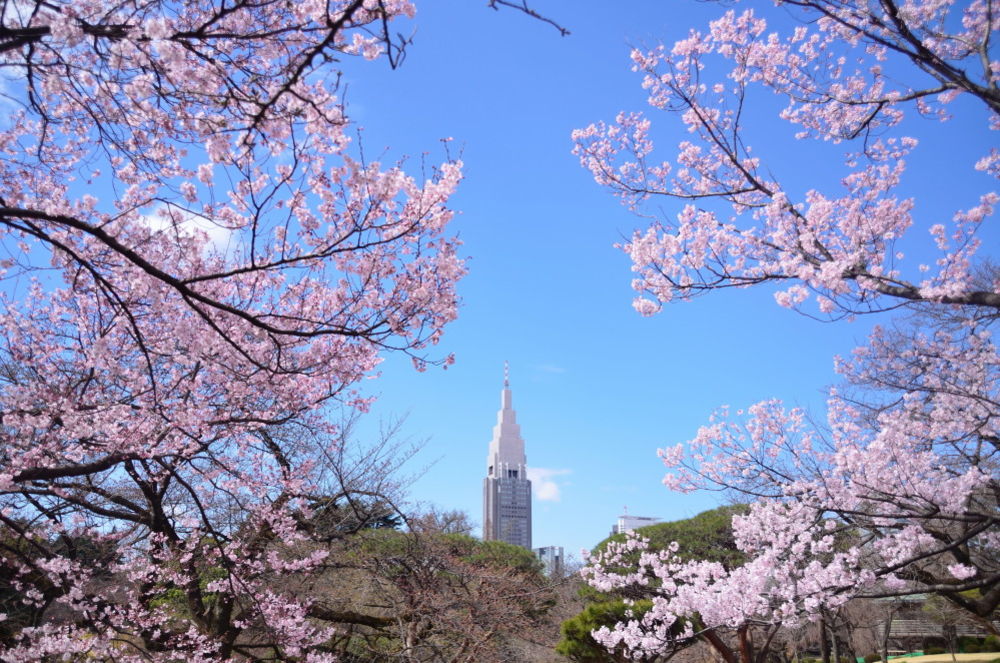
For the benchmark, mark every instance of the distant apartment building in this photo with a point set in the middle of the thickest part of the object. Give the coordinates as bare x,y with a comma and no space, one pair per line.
506,488
627,523
553,560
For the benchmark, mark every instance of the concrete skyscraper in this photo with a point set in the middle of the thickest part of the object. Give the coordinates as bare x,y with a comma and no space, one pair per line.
506,489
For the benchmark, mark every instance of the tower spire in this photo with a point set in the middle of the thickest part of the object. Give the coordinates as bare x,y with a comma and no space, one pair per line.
506,488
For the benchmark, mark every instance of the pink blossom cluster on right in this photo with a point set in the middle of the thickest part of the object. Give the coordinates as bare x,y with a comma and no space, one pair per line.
895,493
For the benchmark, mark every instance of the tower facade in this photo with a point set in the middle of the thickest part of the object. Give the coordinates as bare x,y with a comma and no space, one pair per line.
506,489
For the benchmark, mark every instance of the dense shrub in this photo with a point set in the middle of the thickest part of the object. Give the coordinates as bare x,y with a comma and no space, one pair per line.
932,641
968,641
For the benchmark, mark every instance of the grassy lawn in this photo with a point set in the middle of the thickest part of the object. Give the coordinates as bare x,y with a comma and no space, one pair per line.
983,657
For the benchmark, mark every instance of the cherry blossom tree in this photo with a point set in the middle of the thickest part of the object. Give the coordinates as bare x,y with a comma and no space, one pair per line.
898,492
198,265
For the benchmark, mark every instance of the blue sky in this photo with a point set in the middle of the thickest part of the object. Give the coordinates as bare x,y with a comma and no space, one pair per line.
597,388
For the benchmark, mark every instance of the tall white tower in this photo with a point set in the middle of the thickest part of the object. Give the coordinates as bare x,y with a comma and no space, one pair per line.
506,489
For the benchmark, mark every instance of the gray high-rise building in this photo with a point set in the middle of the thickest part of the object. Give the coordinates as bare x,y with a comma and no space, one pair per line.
553,560
506,489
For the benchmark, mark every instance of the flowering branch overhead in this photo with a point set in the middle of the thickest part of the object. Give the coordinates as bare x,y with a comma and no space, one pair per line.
840,247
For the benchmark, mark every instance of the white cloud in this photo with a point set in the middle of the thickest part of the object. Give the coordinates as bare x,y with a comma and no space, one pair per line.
220,239
544,484
550,368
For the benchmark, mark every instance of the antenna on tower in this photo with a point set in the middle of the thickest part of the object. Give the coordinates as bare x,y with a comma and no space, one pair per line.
506,374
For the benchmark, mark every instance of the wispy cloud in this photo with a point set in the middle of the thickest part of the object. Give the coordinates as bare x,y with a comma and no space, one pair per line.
220,239
544,484
550,368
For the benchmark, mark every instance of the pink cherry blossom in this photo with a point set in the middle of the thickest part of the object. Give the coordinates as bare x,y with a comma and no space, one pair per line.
895,493
190,321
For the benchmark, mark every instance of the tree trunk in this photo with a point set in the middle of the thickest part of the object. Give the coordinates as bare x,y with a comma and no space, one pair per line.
713,639
951,634
886,630
746,650
824,642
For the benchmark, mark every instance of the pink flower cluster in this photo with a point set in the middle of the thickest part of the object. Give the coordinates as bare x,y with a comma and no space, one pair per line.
739,226
895,493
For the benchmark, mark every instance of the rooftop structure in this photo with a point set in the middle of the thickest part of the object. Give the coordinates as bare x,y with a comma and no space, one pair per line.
627,522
